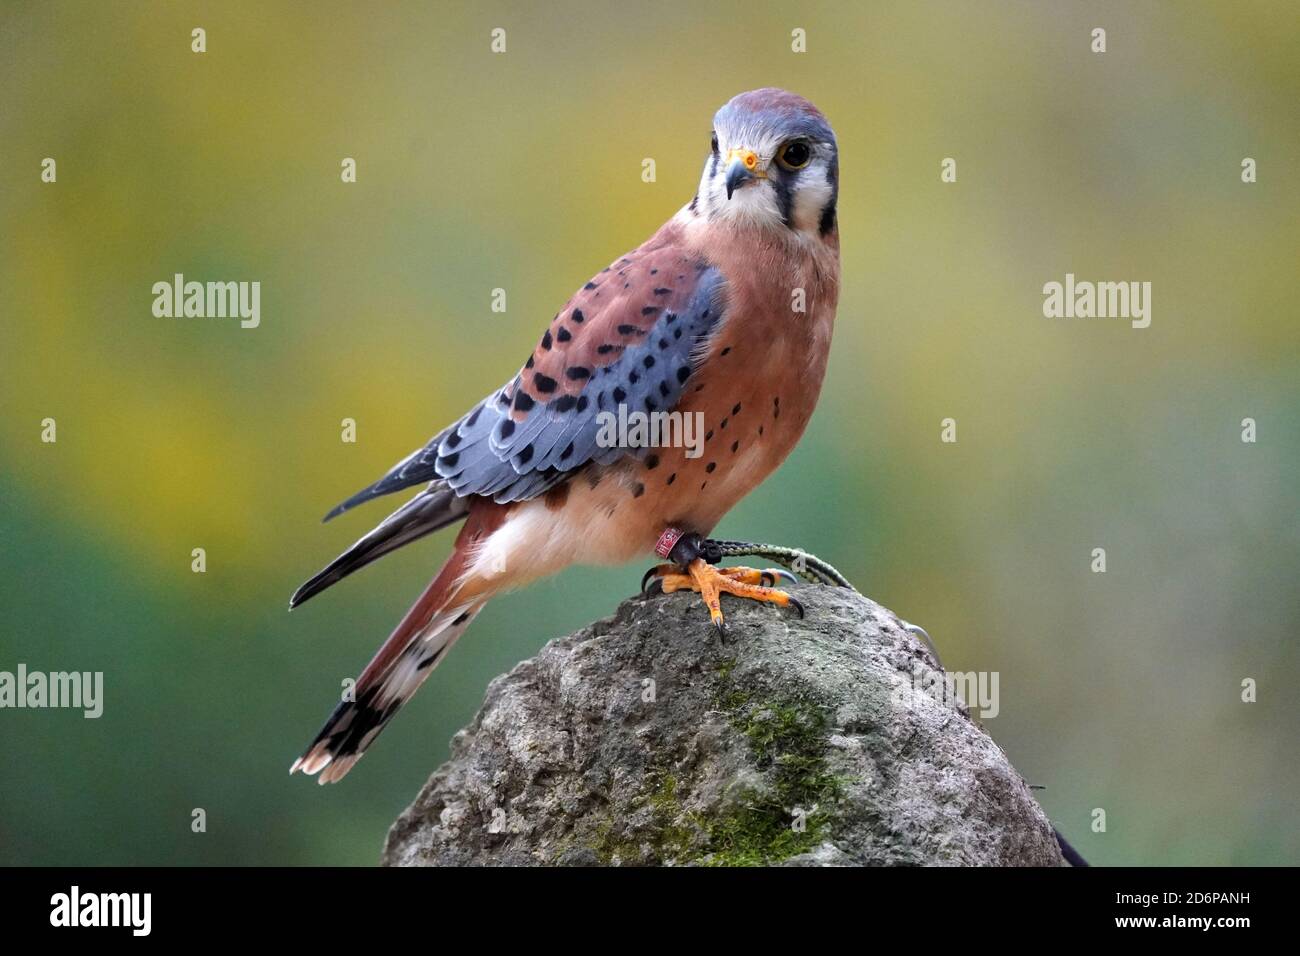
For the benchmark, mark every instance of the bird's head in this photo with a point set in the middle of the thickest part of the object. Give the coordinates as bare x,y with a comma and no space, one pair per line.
772,164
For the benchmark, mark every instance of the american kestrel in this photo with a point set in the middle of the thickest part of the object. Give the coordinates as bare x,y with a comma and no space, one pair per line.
726,311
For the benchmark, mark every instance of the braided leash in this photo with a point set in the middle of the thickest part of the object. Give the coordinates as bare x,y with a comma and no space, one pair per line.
800,562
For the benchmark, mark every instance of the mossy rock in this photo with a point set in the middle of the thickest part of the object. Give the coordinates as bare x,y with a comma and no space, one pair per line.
644,740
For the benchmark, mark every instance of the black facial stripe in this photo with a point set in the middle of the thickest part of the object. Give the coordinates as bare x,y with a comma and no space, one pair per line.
784,194
827,222
828,212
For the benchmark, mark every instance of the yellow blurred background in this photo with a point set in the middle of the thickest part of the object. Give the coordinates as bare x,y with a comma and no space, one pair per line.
522,171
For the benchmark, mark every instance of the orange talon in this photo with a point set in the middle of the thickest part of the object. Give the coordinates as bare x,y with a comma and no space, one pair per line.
677,582
709,581
712,583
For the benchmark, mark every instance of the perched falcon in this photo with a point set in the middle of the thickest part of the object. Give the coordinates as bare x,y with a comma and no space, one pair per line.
724,313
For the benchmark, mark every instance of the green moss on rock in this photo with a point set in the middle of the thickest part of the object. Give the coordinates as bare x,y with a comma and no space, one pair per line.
788,741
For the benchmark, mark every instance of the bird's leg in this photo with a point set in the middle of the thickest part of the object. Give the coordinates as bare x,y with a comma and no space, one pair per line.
692,570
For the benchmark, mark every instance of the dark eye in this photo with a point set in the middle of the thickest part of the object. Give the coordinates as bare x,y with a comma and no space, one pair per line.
715,142
794,155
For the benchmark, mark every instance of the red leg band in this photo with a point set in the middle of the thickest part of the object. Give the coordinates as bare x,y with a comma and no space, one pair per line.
667,541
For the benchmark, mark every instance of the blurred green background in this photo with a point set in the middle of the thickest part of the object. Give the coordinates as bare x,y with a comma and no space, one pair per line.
522,171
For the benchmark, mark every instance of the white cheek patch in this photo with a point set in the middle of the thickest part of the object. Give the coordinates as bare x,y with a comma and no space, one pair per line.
810,200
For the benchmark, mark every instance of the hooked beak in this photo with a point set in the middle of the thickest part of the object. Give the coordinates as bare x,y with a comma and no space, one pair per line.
742,167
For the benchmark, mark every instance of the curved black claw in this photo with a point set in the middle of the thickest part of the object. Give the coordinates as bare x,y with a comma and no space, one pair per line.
769,576
645,580
720,629
797,606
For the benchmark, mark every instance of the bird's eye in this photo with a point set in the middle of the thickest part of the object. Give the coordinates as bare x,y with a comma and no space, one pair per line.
794,155
715,142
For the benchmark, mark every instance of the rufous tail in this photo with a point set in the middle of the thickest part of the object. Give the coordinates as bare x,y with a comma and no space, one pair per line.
433,624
